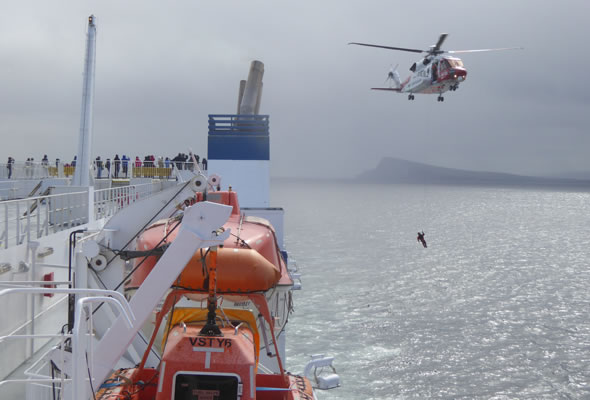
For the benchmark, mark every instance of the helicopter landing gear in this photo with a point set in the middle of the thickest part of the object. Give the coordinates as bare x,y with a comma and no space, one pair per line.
410,97
454,87
440,98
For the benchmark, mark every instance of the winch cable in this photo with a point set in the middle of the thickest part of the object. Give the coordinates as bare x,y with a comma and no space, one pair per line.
133,238
149,222
145,258
127,277
90,376
139,264
147,255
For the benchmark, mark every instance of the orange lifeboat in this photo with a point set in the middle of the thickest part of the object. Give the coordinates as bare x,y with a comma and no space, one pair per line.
239,270
250,263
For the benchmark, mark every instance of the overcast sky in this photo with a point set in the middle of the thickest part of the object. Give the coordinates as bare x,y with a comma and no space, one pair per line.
162,67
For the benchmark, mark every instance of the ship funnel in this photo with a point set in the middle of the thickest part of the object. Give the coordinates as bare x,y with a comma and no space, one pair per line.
251,99
241,95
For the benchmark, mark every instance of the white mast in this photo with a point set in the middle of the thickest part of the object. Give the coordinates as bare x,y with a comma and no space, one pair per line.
82,172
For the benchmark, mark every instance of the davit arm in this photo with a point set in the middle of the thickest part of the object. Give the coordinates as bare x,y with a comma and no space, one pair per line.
198,230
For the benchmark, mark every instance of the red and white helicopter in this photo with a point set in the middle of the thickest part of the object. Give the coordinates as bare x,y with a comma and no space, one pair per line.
437,72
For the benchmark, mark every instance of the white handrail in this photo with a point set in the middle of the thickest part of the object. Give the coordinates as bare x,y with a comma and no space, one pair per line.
40,197
32,381
34,336
35,217
97,292
79,353
32,283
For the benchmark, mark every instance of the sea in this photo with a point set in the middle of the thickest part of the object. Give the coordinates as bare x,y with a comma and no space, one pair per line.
497,306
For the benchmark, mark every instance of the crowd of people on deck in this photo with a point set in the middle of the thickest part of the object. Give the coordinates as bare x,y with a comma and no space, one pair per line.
119,166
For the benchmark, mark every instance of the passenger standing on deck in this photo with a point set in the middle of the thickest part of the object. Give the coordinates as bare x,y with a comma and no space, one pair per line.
117,162
98,163
137,162
177,161
125,164
421,239
45,165
74,161
189,161
9,166
29,167
160,170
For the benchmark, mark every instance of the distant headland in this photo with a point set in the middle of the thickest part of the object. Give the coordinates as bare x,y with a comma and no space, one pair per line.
394,170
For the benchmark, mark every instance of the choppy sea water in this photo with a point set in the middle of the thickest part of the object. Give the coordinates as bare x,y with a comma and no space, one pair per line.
497,306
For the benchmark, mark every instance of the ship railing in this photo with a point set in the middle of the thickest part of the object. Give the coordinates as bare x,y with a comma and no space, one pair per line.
108,201
238,124
41,385
34,217
28,170
8,192
40,378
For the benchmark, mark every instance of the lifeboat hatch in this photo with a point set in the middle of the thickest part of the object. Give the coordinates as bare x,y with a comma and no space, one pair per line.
195,386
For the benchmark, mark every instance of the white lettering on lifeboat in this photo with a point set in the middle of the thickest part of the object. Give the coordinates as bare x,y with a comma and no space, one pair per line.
208,351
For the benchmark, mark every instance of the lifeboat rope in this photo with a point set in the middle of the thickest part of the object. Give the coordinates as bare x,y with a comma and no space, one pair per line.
241,241
211,328
127,382
240,229
169,322
204,266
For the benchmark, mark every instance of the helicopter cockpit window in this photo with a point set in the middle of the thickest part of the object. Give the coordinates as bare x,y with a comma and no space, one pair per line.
413,67
456,63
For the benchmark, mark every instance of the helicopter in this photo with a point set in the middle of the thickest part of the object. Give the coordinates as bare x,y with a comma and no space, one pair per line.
436,73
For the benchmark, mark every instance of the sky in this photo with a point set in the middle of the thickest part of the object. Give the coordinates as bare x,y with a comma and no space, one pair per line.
162,67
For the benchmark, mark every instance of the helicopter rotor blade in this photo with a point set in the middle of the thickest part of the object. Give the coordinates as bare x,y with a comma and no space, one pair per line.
483,50
389,47
441,39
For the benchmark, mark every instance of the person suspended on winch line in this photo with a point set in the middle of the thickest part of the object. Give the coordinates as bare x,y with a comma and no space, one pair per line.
421,239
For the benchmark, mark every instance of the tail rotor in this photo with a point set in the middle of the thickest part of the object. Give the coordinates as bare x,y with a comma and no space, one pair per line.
393,78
